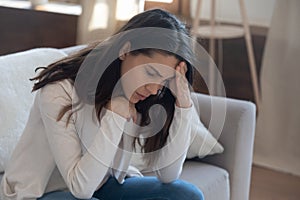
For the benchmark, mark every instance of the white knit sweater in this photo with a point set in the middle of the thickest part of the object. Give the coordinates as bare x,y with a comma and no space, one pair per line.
81,156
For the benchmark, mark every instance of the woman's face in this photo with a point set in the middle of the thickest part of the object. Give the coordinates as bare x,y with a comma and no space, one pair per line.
143,75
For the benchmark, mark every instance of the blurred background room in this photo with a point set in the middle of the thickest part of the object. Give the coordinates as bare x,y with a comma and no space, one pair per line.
257,53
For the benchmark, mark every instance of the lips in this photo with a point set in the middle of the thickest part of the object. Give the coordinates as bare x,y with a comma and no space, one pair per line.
142,97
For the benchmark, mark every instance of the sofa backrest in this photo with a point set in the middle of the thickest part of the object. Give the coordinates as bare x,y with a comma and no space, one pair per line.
15,93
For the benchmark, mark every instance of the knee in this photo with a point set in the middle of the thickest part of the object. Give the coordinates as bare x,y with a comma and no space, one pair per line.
185,191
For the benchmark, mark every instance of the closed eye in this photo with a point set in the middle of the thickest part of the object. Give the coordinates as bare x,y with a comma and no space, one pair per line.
150,73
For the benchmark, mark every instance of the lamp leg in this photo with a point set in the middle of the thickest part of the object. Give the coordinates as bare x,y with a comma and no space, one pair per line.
251,57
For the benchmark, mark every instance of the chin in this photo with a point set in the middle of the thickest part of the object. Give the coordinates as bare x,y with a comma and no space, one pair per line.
134,100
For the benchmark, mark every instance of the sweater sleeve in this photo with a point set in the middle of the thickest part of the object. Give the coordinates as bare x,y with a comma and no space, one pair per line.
82,173
172,156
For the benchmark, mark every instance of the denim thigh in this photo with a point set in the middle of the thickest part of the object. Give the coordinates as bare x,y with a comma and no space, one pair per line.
148,188
60,195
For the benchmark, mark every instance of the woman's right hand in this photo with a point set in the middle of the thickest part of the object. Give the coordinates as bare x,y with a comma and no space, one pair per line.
123,107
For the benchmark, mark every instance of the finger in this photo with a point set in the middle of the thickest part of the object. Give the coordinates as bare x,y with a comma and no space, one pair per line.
134,117
133,113
177,69
183,67
182,71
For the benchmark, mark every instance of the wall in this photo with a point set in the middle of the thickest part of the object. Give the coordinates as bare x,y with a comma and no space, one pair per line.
259,12
26,28
277,132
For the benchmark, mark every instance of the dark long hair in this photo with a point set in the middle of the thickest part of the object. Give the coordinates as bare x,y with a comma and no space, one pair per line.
68,68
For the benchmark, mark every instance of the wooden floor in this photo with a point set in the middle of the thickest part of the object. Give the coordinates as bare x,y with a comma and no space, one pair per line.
272,185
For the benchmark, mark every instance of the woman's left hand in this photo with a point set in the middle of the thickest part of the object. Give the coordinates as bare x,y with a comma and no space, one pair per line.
180,88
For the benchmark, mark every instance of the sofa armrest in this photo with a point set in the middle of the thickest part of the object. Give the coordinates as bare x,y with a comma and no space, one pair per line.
237,137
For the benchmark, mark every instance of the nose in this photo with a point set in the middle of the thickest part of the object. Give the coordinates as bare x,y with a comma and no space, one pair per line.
153,88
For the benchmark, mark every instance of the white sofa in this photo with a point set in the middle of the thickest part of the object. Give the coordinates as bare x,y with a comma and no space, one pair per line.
221,177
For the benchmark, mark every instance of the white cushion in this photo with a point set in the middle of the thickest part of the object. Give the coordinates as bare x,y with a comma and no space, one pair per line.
15,94
203,142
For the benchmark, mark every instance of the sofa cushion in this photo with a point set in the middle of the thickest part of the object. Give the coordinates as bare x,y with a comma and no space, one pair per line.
203,143
15,95
212,180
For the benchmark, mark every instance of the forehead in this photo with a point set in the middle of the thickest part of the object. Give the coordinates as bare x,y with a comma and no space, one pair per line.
158,60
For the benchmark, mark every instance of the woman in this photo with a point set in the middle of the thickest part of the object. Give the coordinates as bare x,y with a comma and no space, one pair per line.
94,109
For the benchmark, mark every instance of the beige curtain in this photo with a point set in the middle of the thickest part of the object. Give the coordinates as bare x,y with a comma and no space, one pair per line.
101,18
97,21
278,126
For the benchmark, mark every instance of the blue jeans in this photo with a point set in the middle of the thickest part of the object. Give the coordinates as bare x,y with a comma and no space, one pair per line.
138,188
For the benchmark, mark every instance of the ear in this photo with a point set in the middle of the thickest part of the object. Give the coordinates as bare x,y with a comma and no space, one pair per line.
124,50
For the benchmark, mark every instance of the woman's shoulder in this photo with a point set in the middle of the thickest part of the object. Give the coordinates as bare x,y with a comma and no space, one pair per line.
63,88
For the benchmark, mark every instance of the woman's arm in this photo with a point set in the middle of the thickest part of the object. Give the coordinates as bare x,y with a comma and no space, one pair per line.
172,156
82,173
